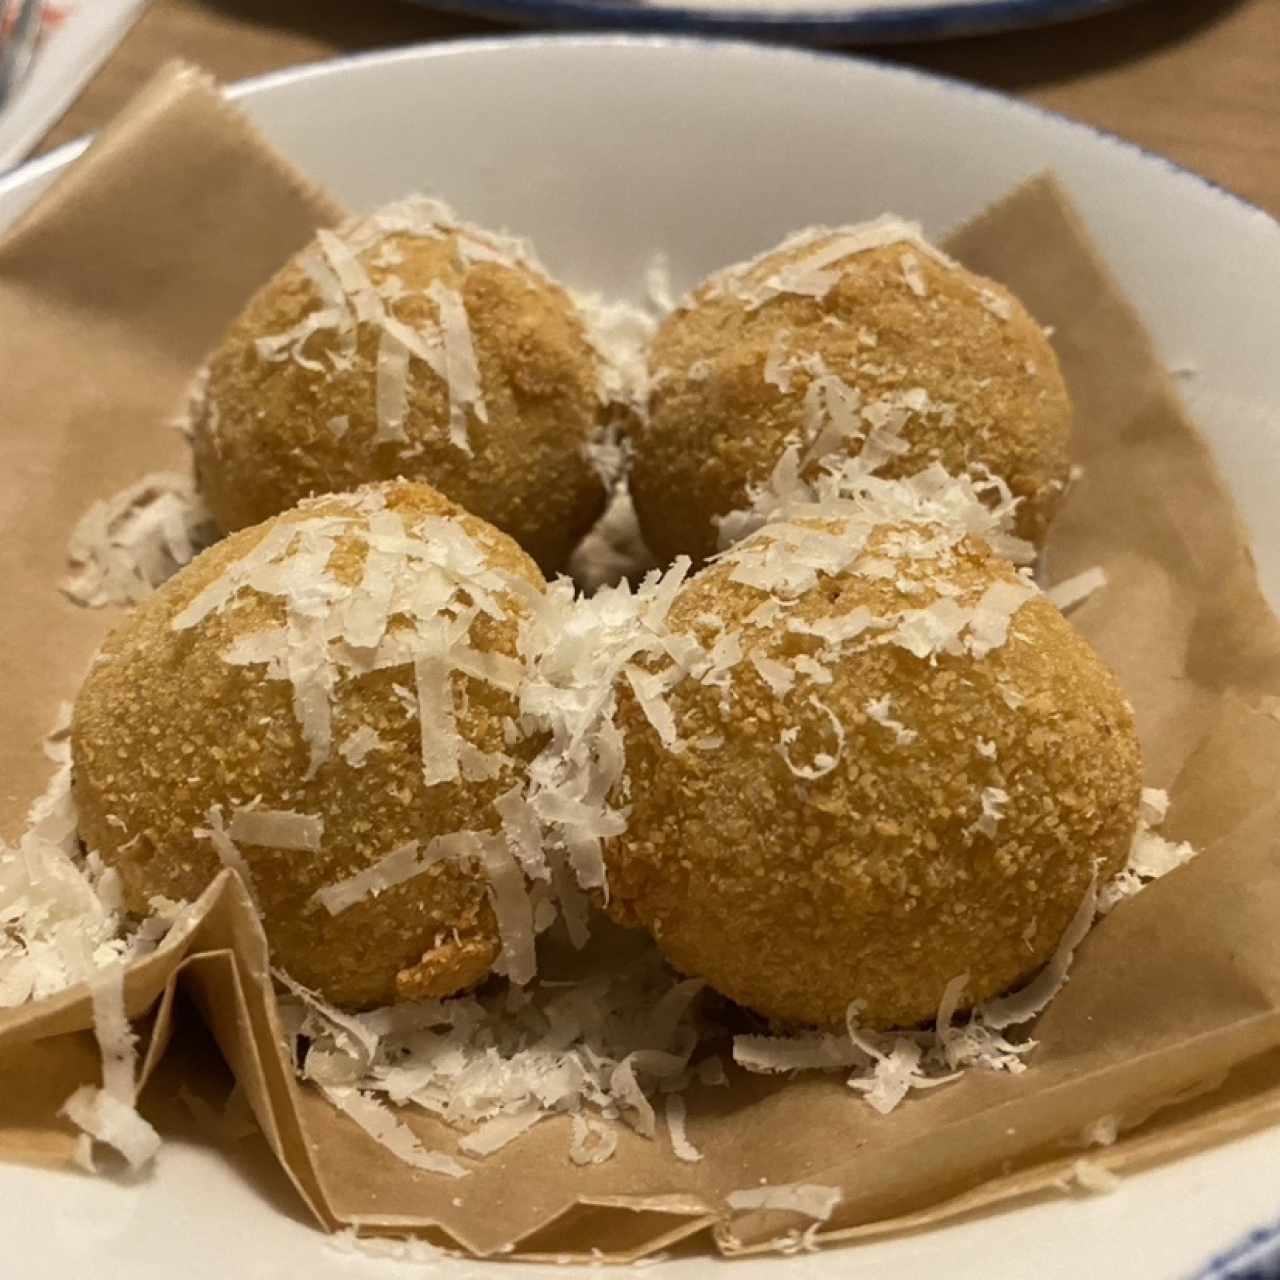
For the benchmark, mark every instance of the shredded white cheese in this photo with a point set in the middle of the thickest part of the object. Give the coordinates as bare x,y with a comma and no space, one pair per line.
61,911
1076,590
814,1201
881,711
912,274
109,1114
277,829
125,546
378,1121
357,747
403,863
598,1049
462,370
817,272
681,1147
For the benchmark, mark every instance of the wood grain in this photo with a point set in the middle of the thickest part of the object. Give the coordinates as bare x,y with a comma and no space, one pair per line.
1197,81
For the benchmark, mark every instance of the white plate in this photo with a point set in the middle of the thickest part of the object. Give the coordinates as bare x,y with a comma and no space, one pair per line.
807,21
603,149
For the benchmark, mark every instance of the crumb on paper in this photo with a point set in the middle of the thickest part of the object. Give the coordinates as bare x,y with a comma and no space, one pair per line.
1093,1177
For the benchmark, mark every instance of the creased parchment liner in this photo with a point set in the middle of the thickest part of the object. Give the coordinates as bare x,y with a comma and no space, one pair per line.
111,291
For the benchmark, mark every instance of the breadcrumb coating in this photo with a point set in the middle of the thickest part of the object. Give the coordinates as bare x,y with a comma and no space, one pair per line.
269,430
959,807
950,358
166,730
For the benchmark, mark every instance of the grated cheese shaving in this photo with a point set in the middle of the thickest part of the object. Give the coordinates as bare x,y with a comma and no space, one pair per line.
811,1199
438,726
777,675
657,279
813,275
677,1113
493,1064
104,1118
626,1089
880,710
999,307
403,863
407,1249
777,1054
1073,591
823,762
1024,1004
619,335
512,909
993,801
1151,856
462,371
356,748
497,1133
592,1142
912,274
376,1119
391,390
277,829
779,371
226,848
109,1114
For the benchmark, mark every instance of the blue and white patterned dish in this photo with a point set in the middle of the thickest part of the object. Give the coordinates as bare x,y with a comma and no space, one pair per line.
1256,1257
798,21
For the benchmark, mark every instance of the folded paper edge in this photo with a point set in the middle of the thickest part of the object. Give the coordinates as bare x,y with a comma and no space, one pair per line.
173,77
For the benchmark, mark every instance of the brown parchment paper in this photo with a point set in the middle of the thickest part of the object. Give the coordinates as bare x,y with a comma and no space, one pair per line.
112,289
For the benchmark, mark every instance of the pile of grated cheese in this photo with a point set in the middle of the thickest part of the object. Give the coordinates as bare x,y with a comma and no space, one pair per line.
62,919
125,546
614,1048
62,923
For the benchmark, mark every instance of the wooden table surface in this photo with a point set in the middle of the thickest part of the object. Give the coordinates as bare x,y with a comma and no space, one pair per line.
1195,80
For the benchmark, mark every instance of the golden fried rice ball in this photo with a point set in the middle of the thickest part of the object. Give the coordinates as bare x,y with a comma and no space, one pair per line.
898,336
408,345
864,823
174,735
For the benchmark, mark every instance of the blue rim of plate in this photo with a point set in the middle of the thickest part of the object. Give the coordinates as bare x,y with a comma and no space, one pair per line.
1254,1257
881,24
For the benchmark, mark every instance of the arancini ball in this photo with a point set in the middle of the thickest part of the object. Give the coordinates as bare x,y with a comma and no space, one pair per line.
860,340
407,343
894,764
323,701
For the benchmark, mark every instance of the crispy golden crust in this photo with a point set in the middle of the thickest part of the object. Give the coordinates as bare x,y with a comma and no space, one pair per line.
795,897
164,729
716,426
260,429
